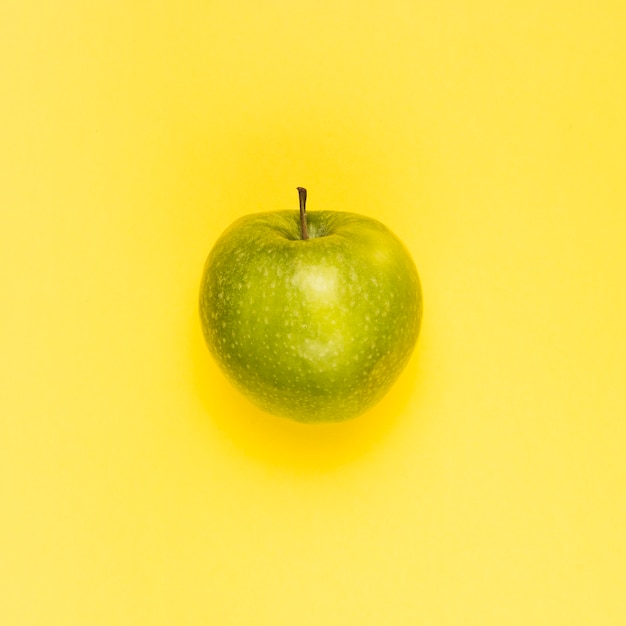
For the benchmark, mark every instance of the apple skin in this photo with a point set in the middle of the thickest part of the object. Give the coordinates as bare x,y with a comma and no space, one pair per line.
315,330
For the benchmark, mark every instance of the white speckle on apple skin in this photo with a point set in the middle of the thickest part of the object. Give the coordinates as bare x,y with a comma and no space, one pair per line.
320,329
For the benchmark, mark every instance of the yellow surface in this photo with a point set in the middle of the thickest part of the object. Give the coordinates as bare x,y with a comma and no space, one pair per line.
137,488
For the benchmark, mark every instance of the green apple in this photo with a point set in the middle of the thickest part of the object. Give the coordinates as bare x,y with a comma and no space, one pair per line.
311,315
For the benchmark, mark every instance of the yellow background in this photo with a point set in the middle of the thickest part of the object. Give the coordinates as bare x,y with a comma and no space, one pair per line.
488,488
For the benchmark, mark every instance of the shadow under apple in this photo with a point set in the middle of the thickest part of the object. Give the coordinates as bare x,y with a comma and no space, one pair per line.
282,442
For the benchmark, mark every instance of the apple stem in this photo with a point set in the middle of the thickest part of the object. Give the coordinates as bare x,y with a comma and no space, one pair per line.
303,225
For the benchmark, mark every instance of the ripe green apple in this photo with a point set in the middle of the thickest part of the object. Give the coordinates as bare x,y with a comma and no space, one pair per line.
311,315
